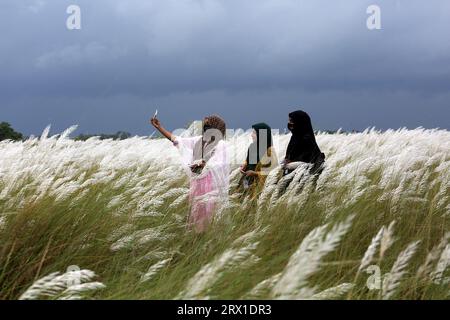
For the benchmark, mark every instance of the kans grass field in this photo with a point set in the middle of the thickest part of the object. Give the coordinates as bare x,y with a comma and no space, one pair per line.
107,220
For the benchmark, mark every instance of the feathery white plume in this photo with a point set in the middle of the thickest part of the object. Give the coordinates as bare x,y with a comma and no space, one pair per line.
199,285
392,281
306,260
154,269
55,284
334,292
371,250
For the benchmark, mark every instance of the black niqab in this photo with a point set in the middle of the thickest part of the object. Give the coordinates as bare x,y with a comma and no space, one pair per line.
303,146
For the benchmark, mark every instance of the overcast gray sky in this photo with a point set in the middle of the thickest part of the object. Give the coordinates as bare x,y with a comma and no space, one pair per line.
247,60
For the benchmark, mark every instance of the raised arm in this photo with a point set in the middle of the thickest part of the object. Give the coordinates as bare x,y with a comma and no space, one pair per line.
157,124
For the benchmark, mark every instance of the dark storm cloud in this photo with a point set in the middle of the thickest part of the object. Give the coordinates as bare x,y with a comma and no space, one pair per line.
222,56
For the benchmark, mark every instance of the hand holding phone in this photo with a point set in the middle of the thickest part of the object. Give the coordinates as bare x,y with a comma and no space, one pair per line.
154,121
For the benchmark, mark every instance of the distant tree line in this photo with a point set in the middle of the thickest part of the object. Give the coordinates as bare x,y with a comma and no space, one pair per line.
8,133
119,135
337,131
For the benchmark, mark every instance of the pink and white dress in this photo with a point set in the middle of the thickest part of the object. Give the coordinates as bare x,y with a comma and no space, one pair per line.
209,189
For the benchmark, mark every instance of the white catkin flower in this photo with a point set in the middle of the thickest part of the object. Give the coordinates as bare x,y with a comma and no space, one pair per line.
116,201
306,260
250,236
47,286
155,255
387,239
199,285
176,192
262,288
45,132
55,284
269,187
334,292
154,269
371,250
153,214
2,223
75,292
392,281
442,265
140,236
180,200
120,232
67,132
426,269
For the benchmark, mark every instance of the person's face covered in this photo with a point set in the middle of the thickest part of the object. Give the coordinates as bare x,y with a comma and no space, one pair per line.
290,124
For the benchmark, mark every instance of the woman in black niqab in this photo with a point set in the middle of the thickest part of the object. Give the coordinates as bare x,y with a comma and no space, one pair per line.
303,146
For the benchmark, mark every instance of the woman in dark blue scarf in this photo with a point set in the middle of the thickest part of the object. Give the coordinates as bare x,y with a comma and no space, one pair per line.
261,159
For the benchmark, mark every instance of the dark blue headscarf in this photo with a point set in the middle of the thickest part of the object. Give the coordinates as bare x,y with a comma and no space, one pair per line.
259,147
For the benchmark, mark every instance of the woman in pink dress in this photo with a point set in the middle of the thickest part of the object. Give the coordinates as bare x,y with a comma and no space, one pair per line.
206,160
